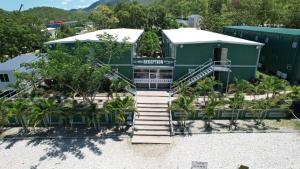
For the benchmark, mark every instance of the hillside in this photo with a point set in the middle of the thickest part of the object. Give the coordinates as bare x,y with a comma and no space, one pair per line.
50,13
114,2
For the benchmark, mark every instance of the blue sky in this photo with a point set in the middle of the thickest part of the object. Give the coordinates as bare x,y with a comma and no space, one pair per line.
64,4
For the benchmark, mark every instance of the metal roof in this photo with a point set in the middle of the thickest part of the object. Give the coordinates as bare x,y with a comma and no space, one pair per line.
15,63
194,36
132,35
286,31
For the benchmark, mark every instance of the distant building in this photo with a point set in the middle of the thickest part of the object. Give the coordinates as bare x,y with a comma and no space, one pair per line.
58,23
192,21
8,68
51,31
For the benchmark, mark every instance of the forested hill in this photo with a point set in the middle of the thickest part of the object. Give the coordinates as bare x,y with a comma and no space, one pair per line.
113,3
49,13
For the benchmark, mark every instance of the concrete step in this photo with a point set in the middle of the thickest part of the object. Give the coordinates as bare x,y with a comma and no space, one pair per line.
151,123
157,105
151,133
152,118
152,100
152,109
151,140
161,114
153,93
156,128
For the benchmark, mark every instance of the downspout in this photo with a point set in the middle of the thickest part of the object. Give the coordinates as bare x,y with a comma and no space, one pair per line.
257,60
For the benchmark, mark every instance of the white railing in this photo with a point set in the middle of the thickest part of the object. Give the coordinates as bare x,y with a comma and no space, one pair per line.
170,115
161,81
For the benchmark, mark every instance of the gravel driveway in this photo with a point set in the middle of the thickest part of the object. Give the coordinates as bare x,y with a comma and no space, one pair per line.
258,151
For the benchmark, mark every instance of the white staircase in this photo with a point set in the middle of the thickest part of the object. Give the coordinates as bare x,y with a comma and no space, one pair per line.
202,71
152,122
200,75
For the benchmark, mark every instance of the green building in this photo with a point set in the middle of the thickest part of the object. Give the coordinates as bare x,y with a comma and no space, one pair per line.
280,55
188,56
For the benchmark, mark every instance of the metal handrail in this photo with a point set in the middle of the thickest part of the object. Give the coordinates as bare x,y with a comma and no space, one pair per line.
134,114
200,68
170,115
119,75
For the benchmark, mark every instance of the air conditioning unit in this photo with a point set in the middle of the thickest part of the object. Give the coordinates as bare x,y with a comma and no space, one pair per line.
283,75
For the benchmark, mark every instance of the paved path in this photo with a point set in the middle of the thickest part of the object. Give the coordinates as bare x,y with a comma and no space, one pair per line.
259,151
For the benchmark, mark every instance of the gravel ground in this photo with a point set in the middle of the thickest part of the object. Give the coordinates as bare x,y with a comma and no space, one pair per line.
256,150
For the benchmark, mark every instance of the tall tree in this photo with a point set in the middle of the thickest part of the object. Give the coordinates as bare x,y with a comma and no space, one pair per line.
104,18
131,15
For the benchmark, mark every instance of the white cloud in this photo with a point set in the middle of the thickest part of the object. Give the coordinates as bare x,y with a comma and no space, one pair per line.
65,2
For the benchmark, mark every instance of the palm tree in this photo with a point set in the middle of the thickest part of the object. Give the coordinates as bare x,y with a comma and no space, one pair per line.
259,109
185,105
205,86
236,103
295,93
118,107
272,85
184,89
20,108
242,86
116,86
214,100
3,112
42,111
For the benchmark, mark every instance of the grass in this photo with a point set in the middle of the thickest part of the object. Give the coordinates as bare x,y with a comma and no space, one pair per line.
292,124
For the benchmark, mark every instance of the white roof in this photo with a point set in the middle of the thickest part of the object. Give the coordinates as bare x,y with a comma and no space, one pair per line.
15,63
132,36
193,35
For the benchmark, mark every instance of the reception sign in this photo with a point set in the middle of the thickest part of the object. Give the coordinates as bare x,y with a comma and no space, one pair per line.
153,61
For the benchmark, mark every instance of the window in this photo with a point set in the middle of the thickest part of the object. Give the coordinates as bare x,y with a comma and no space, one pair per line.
294,45
4,78
266,40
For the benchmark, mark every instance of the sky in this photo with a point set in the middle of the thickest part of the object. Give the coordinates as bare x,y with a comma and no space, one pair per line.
10,5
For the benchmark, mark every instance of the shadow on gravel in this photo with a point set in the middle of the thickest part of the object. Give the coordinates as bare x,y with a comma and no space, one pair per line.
61,143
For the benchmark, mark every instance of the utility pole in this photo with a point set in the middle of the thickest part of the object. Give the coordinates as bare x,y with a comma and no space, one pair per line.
21,7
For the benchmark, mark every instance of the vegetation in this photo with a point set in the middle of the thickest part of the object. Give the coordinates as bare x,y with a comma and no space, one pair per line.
184,105
46,14
20,33
103,18
149,44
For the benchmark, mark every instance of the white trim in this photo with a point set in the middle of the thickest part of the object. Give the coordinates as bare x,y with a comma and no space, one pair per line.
182,65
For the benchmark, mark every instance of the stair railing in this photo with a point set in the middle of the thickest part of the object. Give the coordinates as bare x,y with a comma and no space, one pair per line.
121,76
196,71
170,115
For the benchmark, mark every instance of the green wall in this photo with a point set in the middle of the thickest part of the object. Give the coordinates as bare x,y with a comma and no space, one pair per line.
277,54
243,58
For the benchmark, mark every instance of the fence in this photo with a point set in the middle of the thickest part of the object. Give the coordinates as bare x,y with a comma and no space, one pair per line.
74,119
239,114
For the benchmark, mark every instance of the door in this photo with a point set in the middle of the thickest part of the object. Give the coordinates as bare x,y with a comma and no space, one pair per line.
152,80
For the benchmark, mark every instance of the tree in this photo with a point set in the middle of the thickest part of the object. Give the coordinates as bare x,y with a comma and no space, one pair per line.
3,112
206,86
20,109
110,46
41,112
104,18
131,15
214,100
74,69
20,33
118,107
149,44
65,31
185,105
236,103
